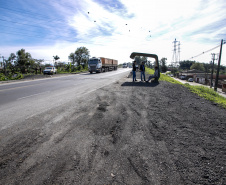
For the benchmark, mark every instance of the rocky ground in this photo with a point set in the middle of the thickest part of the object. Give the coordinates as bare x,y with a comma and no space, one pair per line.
124,133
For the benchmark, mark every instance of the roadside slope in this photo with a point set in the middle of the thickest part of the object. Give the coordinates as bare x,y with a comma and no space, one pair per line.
125,133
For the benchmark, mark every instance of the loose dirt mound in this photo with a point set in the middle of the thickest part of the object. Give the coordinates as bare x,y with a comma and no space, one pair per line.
125,133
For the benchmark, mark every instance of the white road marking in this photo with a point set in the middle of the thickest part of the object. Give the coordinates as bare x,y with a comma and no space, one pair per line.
33,95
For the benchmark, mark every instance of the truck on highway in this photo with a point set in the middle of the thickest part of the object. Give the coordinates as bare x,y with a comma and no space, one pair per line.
102,64
124,65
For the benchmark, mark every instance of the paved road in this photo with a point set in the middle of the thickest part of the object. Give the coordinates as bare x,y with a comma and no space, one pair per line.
21,100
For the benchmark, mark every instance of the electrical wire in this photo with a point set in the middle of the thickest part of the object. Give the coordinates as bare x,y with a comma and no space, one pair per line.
204,52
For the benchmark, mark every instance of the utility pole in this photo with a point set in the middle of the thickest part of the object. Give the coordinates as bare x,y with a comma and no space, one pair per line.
213,57
218,67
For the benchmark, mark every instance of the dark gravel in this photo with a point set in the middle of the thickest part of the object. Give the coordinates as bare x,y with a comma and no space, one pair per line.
124,133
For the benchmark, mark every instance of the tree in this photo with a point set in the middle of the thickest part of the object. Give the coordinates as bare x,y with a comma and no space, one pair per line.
149,64
23,59
140,59
186,64
12,57
9,62
71,57
197,66
163,64
207,67
56,58
81,55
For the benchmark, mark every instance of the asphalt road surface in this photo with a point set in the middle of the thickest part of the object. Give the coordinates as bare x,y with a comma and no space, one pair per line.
21,100
112,131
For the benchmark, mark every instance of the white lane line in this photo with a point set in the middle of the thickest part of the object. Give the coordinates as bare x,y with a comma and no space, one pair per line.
33,95
27,81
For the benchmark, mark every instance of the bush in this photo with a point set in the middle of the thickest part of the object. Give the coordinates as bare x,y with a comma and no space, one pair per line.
2,77
79,68
19,76
11,76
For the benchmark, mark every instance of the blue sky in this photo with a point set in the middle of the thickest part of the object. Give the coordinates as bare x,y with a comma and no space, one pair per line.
112,28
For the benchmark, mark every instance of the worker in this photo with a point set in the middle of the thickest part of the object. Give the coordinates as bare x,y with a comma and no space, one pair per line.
142,71
134,71
156,74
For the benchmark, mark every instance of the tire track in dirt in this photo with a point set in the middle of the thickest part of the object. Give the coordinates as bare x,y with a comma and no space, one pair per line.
120,134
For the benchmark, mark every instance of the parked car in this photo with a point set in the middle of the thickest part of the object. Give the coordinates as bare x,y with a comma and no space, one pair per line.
190,80
50,70
182,77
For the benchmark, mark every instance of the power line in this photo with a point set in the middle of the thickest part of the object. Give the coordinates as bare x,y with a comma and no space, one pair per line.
204,52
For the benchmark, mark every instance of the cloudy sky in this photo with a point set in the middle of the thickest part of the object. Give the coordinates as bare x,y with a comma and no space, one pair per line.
113,28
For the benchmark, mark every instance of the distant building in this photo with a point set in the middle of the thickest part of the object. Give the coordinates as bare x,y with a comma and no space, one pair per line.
201,77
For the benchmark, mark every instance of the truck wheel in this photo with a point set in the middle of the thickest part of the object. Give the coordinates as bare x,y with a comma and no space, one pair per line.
91,72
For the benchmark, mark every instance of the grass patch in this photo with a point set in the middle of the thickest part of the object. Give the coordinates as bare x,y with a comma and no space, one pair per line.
205,92
163,77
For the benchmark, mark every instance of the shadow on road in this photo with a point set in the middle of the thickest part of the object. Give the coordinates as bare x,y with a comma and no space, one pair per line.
140,84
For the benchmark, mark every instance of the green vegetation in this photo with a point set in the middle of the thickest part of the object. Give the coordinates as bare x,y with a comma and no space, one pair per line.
162,64
22,64
71,69
197,66
163,77
207,93
205,67
16,76
202,91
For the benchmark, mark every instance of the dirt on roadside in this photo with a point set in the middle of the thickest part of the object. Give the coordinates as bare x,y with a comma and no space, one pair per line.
124,133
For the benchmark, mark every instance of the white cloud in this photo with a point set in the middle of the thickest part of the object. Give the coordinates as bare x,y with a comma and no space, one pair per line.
193,23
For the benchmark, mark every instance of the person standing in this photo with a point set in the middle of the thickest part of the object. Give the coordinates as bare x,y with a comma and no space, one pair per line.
134,71
142,71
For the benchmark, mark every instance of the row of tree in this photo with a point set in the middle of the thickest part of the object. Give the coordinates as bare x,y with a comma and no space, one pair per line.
205,67
183,65
22,62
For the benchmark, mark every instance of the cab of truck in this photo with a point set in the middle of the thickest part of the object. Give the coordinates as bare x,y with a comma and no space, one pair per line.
124,65
94,65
